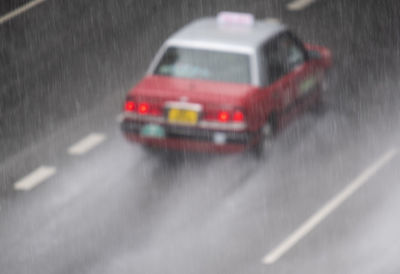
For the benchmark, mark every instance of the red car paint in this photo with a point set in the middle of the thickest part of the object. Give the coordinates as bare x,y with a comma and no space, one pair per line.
257,103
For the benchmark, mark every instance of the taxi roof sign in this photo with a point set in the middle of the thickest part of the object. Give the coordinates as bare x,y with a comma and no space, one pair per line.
228,18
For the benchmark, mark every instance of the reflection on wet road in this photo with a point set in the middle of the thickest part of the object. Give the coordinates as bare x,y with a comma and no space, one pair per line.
77,198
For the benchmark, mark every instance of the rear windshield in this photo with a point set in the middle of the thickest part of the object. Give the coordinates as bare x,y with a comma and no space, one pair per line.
205,64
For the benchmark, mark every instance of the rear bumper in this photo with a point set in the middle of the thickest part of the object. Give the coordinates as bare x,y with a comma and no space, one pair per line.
189,138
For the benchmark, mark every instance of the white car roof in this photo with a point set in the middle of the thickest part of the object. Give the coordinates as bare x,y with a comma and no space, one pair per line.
208,33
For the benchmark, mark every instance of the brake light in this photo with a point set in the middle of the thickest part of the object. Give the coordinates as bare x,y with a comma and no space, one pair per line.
129,106
238,116
143,108
223,116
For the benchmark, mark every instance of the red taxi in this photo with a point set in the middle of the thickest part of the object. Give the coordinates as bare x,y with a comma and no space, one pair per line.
224,84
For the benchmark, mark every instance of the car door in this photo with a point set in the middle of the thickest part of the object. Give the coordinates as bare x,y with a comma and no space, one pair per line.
278,91
300,70
288,71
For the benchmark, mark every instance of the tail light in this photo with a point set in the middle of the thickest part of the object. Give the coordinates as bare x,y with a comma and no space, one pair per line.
238,116
143,108
130,106
224,116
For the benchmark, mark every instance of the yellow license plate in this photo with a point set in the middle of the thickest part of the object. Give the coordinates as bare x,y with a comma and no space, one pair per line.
182,116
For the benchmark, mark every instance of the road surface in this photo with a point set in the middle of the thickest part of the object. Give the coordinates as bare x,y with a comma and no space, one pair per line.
77,198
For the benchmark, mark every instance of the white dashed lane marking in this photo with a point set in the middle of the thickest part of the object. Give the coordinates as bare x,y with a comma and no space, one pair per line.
20,10
86,144
35,178
328,208
299,4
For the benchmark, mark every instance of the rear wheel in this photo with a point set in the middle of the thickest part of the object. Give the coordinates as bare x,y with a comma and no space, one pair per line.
318,106
266,135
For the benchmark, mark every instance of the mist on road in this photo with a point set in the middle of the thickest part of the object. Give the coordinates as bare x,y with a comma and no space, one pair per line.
116,207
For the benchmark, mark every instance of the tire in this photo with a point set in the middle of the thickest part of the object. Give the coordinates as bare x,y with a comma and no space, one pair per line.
318,108
267,133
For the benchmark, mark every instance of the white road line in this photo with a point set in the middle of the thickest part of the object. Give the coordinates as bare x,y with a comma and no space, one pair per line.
299,4
328,208
35,177
86,144
20,10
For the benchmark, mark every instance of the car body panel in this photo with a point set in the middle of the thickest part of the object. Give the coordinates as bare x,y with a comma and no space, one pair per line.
192,90
258,100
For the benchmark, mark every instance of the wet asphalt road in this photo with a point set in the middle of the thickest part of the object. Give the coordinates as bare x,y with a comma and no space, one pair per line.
117,209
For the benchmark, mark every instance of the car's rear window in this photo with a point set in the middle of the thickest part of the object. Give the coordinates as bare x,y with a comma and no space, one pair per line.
205,64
